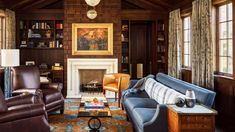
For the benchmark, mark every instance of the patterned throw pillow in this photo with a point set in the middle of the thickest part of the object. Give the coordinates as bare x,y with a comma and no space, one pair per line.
161,93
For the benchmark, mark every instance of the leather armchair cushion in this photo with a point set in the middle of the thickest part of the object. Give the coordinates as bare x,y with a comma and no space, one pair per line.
111,87
51,95
3,105
22,112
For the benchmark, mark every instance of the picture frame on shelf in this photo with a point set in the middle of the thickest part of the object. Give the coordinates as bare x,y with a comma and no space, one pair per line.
92,38
29,63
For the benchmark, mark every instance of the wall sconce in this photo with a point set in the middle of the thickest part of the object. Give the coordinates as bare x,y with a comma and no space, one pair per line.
92,2
91,14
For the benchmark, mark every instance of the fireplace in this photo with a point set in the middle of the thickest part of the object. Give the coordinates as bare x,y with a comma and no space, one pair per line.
91,80
75,66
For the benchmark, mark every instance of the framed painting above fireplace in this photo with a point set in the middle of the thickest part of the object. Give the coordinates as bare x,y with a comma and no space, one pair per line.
92,39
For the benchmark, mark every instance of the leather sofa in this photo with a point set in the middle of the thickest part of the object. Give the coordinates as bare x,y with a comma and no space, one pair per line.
148,115
27,79
22,113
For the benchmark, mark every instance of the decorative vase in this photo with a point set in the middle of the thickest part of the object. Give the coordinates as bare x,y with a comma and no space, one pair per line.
190,100
180,102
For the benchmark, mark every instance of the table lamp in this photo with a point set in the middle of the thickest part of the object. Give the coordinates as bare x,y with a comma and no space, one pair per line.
9,58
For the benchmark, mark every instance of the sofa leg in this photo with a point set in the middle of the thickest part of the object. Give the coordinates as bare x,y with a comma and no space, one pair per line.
127,118
62,111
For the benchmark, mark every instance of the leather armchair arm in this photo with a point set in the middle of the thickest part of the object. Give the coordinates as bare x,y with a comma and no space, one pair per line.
20,99
25,111
159,120
34,91
108,78
58,86
124,82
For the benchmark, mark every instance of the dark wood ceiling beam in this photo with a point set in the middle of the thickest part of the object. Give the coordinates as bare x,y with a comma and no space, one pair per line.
40,4
162,3
183,3
20,4
145,4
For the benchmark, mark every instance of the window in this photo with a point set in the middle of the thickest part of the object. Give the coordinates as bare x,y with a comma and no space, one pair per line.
225,39
187,42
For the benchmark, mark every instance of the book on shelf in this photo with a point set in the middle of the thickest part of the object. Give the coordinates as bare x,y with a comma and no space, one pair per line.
92,104
59,26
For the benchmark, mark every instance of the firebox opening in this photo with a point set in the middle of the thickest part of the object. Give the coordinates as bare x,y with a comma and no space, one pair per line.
91,80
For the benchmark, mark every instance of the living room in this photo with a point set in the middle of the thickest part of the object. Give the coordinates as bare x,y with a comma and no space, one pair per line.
117,65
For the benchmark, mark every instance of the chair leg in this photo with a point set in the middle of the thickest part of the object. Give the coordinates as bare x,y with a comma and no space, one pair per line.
118,100
104,92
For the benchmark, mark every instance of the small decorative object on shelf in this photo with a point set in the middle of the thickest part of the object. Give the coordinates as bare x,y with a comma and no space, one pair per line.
190,98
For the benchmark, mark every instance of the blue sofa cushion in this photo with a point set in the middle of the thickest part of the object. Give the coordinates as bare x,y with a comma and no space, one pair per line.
143,115
140,103
203,96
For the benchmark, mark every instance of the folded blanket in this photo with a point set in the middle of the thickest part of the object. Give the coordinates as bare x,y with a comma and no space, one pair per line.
138,87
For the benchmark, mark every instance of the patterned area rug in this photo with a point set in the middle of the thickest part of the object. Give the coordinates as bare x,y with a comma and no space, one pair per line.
68,122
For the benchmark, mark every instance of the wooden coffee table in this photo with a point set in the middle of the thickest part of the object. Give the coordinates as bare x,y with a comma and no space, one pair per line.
94,122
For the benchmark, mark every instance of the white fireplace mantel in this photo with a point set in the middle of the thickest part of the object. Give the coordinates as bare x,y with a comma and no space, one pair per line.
74,65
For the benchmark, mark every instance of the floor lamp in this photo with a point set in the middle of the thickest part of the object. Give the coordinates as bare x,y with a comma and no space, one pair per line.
9,58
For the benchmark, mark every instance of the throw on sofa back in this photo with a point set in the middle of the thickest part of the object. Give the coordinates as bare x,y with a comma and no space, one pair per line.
203,95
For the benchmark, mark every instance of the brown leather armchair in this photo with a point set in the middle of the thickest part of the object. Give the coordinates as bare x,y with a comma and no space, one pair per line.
27,79
116,82
22,113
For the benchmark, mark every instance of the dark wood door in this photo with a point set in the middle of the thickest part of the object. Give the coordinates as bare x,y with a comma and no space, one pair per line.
140,43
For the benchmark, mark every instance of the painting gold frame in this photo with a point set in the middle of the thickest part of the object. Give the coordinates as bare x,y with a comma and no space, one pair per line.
92,26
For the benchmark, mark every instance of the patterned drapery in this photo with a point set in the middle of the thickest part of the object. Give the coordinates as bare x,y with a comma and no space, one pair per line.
202,46
10,42
175,44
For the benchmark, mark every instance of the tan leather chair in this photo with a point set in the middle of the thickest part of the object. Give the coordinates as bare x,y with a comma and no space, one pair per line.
116,82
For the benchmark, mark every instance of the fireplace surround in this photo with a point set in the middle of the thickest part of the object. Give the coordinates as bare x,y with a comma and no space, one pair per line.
74,65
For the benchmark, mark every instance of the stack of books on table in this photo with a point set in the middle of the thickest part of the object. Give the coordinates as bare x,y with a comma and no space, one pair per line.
91,105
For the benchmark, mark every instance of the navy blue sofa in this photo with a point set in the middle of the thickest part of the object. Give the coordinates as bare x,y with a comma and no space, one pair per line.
147,115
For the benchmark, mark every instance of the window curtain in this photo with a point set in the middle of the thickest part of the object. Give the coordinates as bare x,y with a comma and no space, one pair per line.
202,46
175,44
10,41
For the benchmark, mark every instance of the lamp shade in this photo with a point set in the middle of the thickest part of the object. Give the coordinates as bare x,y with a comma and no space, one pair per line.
92,2
10,57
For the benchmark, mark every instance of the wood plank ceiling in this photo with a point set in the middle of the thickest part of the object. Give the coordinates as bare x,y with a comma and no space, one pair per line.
166,5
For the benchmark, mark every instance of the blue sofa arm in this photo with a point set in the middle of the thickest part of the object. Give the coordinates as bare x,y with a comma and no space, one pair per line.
132,83
159,120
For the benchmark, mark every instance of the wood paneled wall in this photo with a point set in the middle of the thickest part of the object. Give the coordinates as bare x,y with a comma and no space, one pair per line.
109,11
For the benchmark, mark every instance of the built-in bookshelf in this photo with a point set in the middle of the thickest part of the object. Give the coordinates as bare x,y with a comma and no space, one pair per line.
161,47
125,37
41,42
41,34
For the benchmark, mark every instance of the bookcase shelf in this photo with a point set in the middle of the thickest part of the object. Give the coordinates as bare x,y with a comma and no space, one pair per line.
161,46
125,47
